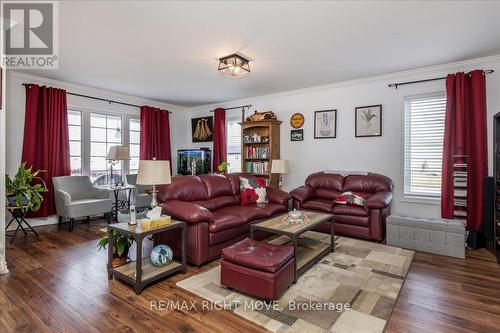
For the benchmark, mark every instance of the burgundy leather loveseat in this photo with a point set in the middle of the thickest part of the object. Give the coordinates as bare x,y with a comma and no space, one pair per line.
368,222
211,205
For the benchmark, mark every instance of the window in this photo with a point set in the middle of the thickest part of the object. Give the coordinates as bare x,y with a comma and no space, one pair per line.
233,139
423,145
134,139
105,131
75,141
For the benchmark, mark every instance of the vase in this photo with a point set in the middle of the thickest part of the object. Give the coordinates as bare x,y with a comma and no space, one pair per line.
11,200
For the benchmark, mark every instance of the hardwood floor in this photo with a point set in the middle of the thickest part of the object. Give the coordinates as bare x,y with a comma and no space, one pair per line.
58,282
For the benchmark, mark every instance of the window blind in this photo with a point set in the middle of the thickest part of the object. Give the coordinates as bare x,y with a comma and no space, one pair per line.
233,141
423,144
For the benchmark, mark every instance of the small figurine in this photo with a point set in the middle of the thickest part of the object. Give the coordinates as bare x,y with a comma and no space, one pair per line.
267,115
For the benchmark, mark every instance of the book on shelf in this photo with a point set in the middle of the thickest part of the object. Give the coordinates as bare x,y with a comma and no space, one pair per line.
257,152
259,168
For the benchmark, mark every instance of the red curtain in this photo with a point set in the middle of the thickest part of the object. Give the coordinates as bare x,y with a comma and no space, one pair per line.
220,153
46,139
155,134
465,134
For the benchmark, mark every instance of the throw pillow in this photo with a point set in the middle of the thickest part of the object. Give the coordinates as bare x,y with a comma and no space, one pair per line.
252,190
351,199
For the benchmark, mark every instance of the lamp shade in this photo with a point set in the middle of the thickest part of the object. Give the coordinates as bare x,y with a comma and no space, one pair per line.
118,153
153,172
279,166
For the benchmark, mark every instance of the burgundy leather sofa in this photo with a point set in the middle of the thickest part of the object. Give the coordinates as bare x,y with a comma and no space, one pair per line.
368,222
211,205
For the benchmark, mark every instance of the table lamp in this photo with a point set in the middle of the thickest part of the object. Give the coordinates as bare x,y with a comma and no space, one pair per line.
153,172
115,155
281,167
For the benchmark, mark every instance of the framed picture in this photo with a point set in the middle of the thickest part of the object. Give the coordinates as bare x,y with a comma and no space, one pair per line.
202,129
325,124
368,121
297,135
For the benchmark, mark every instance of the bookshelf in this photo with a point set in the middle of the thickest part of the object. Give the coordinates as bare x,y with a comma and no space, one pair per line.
260,144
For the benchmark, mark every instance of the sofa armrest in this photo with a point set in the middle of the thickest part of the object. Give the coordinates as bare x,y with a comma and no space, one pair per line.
302,193
187,211
63,197
379,200
278,196
99,193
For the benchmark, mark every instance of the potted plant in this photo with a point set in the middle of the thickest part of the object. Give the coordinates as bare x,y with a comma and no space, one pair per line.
22,192
223,167
121,245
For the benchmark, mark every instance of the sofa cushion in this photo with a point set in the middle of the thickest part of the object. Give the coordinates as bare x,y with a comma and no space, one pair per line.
228,234
326,193
258,255
252,190
319,204
225,221
371,183
183,188
217,185
234,180
325,180
224,201
273,208
247,213
350,210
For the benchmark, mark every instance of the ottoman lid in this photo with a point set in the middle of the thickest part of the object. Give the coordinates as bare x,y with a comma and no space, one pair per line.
259,255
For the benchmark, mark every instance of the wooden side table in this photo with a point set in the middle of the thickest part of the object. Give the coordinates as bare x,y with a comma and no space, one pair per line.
147,272
18,216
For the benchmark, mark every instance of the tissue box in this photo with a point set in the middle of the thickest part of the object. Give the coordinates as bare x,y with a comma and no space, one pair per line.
156,223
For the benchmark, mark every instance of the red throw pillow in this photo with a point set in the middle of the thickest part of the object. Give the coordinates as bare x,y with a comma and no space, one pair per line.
252,190
350,199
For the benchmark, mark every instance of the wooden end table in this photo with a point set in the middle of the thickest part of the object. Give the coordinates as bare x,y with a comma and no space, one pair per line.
148,273
304,257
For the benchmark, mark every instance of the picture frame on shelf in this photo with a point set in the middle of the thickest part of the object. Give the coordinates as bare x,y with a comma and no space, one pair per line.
297,135
368,121
202,129
325,124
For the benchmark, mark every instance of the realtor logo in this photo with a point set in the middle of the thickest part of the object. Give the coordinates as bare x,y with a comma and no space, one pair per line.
30,34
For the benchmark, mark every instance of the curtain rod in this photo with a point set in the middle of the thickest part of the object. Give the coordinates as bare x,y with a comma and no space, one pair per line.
395,85
100,99
236,107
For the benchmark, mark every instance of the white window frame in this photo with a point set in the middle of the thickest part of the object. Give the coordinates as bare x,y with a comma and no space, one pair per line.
85,135
128,138
235,117
408,196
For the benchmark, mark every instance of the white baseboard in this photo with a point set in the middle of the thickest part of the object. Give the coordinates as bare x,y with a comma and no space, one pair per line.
34,222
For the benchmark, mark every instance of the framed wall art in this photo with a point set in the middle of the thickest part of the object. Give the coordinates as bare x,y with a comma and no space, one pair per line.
368,121
202,129
297,120
325,124
297,135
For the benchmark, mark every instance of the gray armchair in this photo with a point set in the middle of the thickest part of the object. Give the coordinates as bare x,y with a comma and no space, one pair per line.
139,196
76,197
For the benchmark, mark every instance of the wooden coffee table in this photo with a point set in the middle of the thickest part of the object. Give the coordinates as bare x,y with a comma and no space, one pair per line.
305,257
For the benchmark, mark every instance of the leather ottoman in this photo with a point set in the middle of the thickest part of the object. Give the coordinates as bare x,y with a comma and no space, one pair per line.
257,268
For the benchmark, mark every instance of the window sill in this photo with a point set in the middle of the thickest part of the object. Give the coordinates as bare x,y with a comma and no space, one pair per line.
421,200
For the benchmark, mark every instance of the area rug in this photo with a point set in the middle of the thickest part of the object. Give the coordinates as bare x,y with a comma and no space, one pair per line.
353,289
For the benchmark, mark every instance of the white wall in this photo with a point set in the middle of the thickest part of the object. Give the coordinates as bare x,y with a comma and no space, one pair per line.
382,154
15,107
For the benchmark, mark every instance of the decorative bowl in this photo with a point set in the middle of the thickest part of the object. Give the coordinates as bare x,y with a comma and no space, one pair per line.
161,255
295,214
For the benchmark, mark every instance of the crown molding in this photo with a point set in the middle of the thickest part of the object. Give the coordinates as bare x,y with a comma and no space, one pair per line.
417,73
94,91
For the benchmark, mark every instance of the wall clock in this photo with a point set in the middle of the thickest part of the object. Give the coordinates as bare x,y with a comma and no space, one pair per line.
297,120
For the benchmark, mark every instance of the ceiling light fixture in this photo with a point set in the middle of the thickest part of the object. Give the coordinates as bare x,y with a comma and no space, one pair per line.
234,65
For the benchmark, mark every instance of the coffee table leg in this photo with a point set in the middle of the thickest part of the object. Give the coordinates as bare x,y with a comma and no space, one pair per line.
332,235
295,252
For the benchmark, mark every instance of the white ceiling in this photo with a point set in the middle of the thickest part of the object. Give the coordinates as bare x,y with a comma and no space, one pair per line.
168,51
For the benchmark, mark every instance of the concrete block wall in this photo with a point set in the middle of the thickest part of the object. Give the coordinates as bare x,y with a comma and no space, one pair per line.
445,237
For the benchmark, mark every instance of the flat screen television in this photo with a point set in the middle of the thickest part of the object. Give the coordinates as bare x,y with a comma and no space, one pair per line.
200,159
